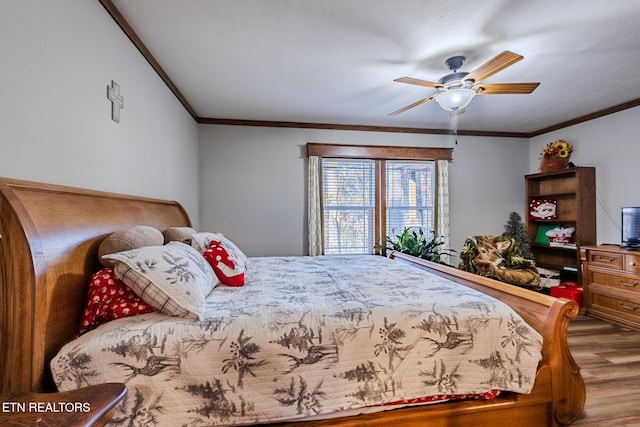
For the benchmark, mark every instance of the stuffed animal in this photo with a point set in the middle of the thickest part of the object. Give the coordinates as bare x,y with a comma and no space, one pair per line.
178,234
226,263
130,238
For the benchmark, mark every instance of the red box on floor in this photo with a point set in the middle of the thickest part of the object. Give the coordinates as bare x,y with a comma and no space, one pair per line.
568,290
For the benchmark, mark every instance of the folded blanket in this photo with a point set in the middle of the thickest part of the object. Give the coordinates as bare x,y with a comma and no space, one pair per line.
500,258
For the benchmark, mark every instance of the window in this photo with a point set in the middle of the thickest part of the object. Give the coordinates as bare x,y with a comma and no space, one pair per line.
349,194
358,195
348,200
410,199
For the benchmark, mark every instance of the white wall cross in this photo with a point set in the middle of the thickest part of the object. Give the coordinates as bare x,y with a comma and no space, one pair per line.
117,101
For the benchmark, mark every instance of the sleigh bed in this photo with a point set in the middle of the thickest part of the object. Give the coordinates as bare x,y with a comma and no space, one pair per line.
49,239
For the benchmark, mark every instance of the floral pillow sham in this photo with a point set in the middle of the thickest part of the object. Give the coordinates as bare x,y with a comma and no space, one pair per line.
174,279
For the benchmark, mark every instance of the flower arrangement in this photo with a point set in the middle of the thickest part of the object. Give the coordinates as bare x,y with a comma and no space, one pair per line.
559,148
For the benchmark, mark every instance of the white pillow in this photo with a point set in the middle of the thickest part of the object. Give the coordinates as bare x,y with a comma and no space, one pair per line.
201,241
174,279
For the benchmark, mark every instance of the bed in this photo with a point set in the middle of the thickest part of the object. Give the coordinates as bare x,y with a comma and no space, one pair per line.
49,238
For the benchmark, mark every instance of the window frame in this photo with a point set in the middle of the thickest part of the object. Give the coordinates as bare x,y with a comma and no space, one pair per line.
380,154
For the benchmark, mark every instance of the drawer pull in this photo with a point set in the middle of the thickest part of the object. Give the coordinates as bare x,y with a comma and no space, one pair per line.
631,263
629,285
628,308
604,258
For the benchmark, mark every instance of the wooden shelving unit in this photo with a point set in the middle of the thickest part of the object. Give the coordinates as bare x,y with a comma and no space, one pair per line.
573,189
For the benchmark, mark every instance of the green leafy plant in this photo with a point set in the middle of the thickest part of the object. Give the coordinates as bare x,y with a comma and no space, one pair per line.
413,241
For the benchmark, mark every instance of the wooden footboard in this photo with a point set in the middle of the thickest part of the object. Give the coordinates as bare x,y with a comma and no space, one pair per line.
558,395
49,238
550,317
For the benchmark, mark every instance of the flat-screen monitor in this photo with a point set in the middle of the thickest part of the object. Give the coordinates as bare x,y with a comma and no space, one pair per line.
631,227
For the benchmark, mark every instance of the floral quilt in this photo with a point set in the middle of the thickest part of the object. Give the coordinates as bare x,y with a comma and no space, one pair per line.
306,336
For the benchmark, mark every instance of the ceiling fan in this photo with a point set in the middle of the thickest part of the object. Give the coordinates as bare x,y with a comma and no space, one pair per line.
456,90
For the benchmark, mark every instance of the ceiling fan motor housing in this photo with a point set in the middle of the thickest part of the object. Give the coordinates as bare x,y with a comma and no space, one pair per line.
455,63
455,80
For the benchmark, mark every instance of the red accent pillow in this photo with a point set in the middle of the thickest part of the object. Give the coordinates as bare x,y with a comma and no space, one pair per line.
109,298
225,262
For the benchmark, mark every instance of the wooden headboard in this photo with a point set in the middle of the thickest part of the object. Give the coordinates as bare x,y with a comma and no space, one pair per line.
49,238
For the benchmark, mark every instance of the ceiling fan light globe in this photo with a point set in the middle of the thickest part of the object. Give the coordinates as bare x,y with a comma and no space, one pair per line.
455,99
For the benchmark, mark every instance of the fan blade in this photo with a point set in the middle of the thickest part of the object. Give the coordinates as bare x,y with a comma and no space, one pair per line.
505,88
492,66
412,81
415,104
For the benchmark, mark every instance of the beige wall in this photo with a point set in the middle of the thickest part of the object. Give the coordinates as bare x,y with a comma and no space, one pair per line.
261,200
253,182
55,119
611,144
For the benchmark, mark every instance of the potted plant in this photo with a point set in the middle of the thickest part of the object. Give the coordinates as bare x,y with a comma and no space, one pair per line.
413,241
555,156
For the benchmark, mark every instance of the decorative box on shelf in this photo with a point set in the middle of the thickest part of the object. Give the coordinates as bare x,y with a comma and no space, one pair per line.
561,237
555,235
542,209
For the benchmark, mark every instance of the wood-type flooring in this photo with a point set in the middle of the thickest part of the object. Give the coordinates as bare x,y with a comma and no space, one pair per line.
609,358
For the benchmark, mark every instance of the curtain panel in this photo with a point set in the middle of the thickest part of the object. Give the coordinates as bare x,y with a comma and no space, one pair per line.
315,206
442,203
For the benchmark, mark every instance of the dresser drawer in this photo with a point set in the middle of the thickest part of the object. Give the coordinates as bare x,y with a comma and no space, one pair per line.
616,306
606,259
632,263
617,281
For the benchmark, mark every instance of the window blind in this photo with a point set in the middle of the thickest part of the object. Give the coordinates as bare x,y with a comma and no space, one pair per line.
410,196
348,196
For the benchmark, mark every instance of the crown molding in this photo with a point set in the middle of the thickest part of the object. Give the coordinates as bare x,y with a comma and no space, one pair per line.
126,28
361,128
587,117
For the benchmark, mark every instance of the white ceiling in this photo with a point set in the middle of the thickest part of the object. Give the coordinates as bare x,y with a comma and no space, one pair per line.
334,61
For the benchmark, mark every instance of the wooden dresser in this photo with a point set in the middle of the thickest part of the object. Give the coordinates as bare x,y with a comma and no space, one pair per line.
611,281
